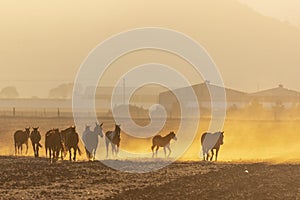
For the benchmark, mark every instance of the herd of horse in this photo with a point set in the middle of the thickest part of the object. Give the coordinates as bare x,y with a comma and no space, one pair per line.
58,143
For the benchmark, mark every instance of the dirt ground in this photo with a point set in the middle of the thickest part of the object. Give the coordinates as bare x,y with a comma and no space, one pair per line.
36,178
24,177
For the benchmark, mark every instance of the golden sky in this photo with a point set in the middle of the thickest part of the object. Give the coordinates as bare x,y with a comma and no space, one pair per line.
43,43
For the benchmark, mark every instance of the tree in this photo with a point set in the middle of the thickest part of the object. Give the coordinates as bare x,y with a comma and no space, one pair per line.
9,92
61,91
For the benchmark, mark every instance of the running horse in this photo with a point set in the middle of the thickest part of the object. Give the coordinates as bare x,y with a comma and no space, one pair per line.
211,141
159,141
71,139
90,140
35,138
113,138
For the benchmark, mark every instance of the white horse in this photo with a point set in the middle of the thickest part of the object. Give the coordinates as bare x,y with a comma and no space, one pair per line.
211,141
113,138
90,140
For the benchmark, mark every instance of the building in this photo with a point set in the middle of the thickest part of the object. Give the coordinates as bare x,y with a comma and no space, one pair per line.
274,96
233,97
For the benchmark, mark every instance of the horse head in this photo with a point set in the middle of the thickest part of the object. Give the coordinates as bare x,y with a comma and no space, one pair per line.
221,138
118,129
98,129
27,131
35,130
87,127
173,136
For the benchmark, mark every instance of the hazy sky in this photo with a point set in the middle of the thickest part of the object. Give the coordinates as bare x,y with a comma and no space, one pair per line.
287,10
43,43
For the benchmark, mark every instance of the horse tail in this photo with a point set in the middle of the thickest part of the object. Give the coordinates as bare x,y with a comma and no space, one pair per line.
152,147
39,144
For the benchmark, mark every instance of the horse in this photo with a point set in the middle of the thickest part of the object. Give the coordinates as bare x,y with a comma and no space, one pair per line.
113,137
20,138
211,141
159,141
90,140
35,138
71,139
53,143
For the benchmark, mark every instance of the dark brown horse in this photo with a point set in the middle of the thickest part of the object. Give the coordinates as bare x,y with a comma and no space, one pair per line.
54,144
159,141
113,138
35,138
71,140
20,138
211,141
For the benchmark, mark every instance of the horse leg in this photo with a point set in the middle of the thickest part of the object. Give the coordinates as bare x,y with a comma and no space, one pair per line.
203,154
87,153
217,151
75,151
26,147
168,146
152,148
207,155
112,149
61,153
70,152
106,143
33,147
165,152
94,155
212,154
50,154
15,149
21,148
37,150
157,147
117,152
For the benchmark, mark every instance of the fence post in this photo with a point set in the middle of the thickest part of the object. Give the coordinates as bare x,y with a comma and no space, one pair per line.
14,111
58,112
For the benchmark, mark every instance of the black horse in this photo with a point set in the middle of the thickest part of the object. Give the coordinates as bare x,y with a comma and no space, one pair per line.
71,140
35,138
211,141
113,138
54,144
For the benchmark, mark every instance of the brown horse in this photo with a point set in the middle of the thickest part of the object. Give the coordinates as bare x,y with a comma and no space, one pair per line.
114,138
211,141
20,138
53,143
71,140
35,138
159,141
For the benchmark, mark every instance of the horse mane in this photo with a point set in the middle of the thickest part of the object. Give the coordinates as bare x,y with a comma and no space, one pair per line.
170,134
118,130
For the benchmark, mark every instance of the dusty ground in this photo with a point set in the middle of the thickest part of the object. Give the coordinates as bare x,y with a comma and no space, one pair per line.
30,178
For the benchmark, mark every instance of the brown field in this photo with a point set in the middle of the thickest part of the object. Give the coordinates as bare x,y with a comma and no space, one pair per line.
30,178
269,150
